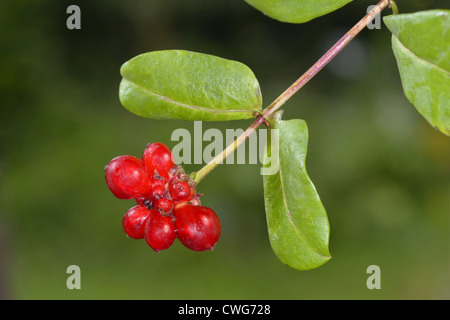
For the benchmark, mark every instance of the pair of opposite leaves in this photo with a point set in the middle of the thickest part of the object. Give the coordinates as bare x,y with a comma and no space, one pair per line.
177,84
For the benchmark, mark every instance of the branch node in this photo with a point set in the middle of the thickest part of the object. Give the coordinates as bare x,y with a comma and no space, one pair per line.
261,118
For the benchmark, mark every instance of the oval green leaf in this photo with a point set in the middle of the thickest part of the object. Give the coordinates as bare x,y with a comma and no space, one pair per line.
178,84
296,11
421,45
296,219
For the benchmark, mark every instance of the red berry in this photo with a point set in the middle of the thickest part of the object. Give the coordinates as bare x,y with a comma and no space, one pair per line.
198,228
158,188
164,206
158,159
126,177
134,221
159,231
180,191
158,182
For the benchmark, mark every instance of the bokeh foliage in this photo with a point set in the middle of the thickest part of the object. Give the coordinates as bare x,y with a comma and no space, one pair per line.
382,172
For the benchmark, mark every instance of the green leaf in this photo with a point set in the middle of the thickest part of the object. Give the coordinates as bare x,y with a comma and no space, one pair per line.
421,45
296,219
296,11
177,84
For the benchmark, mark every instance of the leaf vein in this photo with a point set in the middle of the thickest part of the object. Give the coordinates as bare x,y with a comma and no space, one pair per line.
421,59
183,105
290,216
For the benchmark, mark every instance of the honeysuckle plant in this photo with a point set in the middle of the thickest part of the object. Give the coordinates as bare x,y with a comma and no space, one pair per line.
178,84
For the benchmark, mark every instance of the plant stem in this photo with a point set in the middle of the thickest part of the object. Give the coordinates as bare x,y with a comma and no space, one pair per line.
394,7
268,112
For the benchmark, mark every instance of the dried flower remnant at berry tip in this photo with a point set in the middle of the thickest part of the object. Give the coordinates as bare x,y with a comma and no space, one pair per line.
168,205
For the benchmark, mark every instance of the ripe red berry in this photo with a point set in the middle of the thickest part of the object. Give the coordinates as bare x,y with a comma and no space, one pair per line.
180,191
158,182
163,206
126,177
159,231
198,227
134,220
158,188
158,159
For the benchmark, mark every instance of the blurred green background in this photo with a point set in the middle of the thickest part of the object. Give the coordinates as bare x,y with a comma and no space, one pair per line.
382,172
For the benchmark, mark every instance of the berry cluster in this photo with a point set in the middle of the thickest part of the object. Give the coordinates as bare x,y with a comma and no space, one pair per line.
168,206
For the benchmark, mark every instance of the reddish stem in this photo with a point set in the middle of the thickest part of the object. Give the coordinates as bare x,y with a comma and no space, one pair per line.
308,75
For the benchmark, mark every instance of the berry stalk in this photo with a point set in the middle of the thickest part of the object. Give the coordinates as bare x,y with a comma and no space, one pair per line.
268,112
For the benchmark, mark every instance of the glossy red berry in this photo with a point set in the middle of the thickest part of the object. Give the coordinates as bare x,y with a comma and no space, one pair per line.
158,182
126,177
158,160
159,231
180,191
158,189
134,221
163,206
168,205
198,227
